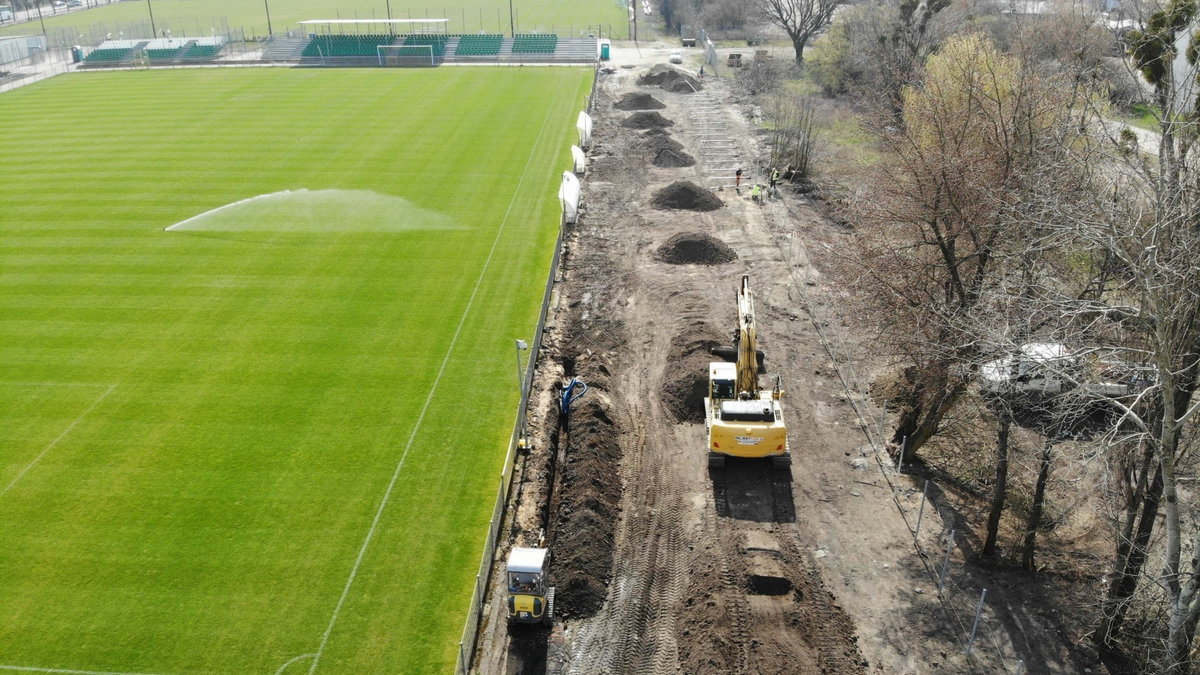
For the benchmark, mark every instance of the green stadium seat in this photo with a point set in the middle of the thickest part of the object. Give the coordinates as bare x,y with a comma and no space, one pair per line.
534,43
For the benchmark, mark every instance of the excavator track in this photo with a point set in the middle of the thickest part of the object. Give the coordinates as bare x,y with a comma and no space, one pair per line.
782,505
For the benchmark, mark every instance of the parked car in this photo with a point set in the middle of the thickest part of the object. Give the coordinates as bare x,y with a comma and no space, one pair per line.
676,56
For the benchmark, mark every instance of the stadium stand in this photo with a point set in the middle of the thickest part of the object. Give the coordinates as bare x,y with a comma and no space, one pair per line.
478,45
199,52
285,49
438,42
163,54
414,49
115,55
334,46
534,43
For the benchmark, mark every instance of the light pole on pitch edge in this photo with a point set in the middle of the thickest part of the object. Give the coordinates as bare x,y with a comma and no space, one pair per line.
521,346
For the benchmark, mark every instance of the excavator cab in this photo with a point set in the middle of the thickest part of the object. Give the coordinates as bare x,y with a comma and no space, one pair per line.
530,599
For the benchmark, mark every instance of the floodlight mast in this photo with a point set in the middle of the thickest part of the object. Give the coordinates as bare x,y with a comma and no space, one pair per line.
153,30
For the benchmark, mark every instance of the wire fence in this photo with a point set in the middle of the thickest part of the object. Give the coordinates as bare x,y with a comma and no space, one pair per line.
458,21
44,65
968,607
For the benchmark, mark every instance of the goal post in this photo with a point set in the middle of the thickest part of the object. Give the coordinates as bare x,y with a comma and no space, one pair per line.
406,55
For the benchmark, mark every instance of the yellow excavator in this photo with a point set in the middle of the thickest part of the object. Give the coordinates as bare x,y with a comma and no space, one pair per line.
743,420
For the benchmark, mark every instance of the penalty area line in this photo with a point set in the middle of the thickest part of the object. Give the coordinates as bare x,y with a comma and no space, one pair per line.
462,320
292,660
50,446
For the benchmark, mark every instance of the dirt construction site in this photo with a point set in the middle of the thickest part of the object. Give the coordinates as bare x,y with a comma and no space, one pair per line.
661,564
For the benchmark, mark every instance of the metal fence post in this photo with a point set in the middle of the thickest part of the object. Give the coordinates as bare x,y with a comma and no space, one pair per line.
975,625
920,514
900,460
945,563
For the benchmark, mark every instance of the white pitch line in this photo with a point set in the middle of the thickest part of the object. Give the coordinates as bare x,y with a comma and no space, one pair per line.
293,660
66,671
362,551
50,446
52,384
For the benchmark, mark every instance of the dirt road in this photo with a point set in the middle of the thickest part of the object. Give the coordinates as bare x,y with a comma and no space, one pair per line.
679,569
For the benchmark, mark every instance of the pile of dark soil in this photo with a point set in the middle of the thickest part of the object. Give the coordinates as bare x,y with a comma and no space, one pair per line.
667,151
670,79
684,194
684,84
588,505
672,159
636,101
693,248
688,359
646,120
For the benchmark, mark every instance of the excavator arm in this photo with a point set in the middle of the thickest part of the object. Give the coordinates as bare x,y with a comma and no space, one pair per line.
746,342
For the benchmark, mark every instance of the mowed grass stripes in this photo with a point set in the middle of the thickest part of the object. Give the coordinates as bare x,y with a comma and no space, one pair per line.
197,427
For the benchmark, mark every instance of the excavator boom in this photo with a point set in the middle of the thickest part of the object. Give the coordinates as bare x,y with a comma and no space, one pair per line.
747,341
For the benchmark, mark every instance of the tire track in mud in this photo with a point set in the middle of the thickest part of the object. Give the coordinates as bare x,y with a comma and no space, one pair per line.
679,598
634,631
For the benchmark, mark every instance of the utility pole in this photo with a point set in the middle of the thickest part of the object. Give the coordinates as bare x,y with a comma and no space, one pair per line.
40,19
153,30
512,24
268,8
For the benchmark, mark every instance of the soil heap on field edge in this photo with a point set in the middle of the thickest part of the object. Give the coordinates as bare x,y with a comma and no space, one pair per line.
670,79
636,101
588,505
646,120
667,151
694,248
671,158
684,194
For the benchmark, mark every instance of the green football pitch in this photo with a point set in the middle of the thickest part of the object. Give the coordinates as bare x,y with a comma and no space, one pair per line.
192,17
274,431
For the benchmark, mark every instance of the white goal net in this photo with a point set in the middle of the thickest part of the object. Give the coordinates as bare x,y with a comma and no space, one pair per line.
406,55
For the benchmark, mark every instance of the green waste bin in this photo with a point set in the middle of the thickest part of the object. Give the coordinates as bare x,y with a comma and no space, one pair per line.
604,51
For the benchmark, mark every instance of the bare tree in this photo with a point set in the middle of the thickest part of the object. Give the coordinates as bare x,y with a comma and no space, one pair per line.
800,19
1145,225
982,143
794,133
